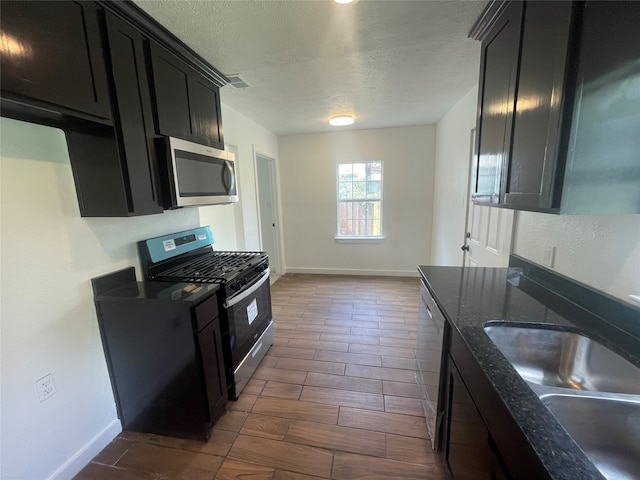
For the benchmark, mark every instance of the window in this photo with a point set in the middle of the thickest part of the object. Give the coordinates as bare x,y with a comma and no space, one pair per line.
360,200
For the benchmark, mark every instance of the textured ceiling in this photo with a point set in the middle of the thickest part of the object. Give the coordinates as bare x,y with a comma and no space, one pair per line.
389,63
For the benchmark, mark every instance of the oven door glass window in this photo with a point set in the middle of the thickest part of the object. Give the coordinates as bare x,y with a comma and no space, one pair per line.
248,319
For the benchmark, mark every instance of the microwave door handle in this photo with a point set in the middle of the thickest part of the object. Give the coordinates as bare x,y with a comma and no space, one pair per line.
229,181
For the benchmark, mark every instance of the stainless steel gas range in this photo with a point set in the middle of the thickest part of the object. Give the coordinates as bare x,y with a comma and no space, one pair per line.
244,297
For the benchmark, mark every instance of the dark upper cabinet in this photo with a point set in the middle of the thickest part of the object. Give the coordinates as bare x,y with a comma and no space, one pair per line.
498,75
205,101
531,166
171,85
114,168
135,133
52,58
89,68
187,103
569,115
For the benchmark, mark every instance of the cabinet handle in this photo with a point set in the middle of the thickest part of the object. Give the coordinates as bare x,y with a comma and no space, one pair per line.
464,248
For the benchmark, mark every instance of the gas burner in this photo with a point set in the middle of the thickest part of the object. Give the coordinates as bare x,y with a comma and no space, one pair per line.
218,267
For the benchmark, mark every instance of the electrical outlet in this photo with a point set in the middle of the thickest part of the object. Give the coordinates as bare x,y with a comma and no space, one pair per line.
45,387
549,255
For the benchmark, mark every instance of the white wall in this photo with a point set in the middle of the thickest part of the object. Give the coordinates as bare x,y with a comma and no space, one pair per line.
451,177
308,190
48,322
602,251
249,137
221,219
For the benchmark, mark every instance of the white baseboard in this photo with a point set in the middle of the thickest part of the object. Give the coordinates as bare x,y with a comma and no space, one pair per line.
82,457
350,271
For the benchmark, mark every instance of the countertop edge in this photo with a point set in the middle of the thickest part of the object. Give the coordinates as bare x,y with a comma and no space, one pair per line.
558,453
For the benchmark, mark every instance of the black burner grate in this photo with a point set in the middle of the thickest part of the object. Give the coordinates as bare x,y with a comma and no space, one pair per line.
216,265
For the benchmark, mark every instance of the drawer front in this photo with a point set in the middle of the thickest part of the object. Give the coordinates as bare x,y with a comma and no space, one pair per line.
205,312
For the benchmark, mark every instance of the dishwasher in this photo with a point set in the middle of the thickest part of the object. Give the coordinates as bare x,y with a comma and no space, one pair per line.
429,347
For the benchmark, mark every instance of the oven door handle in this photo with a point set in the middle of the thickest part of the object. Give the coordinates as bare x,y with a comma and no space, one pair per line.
241,296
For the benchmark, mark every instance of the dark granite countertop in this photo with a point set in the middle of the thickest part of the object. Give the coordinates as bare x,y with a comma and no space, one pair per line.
160,291
122,284
471,297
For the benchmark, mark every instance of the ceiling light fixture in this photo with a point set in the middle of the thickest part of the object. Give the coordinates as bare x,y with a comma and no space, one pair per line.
343,2
341,120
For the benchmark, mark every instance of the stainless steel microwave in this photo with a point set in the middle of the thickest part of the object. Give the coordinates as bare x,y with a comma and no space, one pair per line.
196,174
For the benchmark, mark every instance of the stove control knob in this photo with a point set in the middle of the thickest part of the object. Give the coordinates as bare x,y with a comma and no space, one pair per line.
235,286
261,268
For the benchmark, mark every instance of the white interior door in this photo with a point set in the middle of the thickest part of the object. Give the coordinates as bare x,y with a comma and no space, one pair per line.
265,172
489,229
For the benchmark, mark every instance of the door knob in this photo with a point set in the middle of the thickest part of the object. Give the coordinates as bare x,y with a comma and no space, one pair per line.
464,248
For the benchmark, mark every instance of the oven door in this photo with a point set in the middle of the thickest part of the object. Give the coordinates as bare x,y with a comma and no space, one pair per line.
249,315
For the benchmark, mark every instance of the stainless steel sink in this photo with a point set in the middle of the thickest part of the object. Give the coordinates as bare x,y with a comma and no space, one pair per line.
606,429
564,359
592,391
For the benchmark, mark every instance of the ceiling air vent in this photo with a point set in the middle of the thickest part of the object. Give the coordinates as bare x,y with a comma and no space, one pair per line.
236,81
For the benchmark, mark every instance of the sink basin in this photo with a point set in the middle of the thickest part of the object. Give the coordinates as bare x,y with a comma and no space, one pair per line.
606,429
564,359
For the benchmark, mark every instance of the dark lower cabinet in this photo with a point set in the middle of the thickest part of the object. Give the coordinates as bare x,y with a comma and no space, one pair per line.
470,451
210,346
187,104
481,439
52,58
164,354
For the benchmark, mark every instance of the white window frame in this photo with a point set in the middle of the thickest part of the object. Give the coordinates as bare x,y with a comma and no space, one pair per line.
359,238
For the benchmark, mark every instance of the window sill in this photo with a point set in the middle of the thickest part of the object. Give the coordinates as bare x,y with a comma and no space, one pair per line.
359,239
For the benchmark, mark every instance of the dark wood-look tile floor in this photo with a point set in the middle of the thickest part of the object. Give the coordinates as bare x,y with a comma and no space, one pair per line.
335,397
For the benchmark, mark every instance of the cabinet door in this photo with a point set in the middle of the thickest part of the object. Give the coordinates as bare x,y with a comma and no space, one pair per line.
188,104
498,76
134,123
469,447
530,182
52,54
171,88
205,106
210,345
